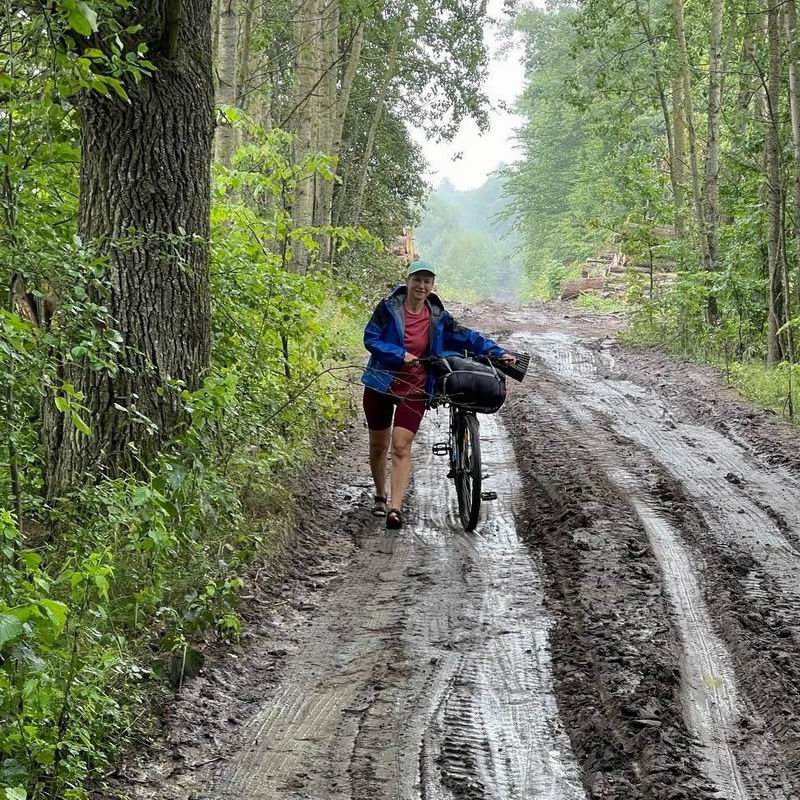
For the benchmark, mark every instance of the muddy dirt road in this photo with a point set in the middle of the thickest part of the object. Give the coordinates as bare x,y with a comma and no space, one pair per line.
624,623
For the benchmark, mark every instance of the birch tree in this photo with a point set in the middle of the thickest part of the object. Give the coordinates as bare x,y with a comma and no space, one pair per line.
227,68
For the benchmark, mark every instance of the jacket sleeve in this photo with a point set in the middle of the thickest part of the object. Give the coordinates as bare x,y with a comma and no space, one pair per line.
457,337
375,337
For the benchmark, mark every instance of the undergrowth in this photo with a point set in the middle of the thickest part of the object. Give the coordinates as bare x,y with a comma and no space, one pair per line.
600,304
675,320
109,596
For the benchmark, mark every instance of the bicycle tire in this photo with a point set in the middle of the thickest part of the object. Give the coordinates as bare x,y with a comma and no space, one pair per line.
468,474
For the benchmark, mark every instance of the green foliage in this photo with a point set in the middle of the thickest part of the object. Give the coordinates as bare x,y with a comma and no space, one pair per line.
601,305
123,582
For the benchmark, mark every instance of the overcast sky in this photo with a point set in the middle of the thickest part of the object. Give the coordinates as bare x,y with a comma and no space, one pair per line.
482,154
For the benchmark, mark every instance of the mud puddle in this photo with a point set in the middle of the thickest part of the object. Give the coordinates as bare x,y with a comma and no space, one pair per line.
427,674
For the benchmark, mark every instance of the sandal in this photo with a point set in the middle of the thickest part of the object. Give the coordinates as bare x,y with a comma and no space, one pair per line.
394,519
379,506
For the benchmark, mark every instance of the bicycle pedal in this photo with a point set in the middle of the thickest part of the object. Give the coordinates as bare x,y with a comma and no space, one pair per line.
441,448
488,496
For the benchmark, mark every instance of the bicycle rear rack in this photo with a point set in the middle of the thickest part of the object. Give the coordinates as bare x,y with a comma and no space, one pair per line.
441,448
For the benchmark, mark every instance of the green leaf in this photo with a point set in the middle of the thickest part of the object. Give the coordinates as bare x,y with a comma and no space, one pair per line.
10,628
80,424
17,793
61,404
56,612
82,19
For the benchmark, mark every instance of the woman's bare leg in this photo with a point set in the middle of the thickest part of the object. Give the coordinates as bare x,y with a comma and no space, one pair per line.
402,439
378,450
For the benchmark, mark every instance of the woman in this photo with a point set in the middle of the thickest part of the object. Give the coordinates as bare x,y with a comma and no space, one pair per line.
408,325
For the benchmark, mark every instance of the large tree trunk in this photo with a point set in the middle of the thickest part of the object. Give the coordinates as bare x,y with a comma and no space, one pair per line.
688,116
774,192
144,204
711,206
227,67
790,17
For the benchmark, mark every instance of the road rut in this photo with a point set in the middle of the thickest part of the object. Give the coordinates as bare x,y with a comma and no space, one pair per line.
427,675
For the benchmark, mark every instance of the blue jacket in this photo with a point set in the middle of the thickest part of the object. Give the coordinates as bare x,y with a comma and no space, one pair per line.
385,333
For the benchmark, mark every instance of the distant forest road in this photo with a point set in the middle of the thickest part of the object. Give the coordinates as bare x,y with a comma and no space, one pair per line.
624,623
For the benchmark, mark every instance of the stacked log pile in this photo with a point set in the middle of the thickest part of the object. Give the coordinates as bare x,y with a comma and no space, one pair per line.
607,275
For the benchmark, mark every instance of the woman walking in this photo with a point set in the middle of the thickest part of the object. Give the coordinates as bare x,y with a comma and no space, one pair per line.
408,325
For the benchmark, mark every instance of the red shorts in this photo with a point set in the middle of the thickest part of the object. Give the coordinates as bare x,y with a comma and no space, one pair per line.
379,409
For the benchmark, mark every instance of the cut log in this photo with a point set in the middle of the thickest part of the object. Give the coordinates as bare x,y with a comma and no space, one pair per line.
571,289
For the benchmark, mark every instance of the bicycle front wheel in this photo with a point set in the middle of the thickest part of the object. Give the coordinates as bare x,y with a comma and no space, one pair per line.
468,471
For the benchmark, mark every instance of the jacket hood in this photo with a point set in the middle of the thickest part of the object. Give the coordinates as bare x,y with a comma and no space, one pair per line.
400,292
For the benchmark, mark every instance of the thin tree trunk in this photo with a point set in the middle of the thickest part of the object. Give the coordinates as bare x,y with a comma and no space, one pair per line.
662,99
774,202
679,148
380,103
711,208
327,113
227,64
688,115
144,204
245,56
790,19
343,104
303,117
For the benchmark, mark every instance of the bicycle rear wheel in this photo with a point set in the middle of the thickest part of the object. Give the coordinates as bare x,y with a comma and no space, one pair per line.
468,470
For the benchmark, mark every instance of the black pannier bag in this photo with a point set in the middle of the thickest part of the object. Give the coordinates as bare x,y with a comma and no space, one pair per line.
476,385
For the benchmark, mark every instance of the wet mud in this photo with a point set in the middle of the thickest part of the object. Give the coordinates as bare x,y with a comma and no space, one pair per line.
624,622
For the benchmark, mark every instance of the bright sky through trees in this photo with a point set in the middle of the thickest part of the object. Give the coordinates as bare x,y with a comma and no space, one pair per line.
471,157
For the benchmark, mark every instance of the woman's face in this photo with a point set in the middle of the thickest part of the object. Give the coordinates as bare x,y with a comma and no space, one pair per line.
420,284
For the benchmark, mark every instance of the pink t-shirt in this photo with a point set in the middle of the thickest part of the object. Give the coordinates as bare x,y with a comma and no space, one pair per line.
410,380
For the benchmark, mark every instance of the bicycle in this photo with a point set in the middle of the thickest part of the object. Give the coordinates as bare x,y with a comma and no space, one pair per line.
464,445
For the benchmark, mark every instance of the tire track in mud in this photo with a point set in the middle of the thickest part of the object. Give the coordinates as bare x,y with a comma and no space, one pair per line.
735,499
427,674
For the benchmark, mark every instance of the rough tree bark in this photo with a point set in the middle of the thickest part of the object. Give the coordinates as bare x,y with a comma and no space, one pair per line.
227,68
774,189
144,204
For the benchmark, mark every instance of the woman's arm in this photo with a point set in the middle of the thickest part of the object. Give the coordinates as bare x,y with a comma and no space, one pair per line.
374,335
457,337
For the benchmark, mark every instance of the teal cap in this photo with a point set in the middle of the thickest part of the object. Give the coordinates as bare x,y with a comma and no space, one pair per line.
420,266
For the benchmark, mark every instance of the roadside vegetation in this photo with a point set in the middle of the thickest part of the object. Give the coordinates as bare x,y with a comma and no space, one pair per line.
175,343
670,132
